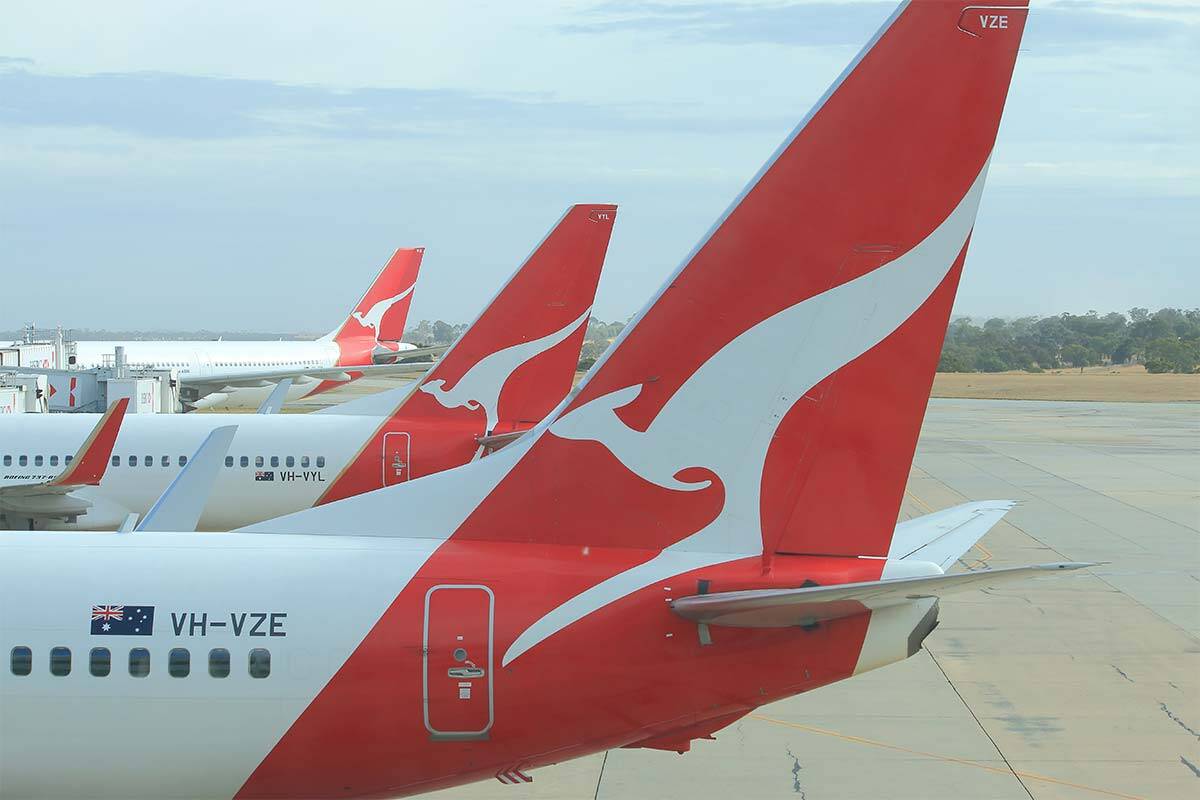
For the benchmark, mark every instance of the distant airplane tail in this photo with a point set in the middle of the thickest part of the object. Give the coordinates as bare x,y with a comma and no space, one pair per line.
381,314
513,365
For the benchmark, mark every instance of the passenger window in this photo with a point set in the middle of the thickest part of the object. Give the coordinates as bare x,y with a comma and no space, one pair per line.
274,461
37,461
139,662
54,461
218,662
67,459
304,462
116,461
183,461
244,461
228,461
22,460
290,461
100,662
320,461
21,661
60,661
149,461
179,662
8,461
166,461
260,663
258,461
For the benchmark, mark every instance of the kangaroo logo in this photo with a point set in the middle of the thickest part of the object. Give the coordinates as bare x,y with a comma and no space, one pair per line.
823,333
482,384
373,318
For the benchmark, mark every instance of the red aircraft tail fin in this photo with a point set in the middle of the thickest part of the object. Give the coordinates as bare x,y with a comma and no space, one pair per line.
382,312
514,364
769,397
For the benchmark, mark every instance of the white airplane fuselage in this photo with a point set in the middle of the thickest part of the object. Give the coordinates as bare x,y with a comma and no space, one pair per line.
280,462
198,359
201,361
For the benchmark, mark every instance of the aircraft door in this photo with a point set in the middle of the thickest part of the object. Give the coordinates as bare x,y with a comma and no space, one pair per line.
396,448
456,669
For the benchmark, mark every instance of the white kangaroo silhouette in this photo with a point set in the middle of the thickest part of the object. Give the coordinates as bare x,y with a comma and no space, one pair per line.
374,315
483,382
766,369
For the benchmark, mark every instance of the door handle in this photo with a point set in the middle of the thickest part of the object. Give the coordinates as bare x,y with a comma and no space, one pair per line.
465,672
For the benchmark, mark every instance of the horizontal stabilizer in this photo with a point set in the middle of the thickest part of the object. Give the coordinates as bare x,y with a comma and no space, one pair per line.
943,536
379,404
781,608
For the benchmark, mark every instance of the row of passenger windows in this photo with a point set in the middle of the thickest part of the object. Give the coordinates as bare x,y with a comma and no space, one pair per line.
179,662
37,460
165,461
251,363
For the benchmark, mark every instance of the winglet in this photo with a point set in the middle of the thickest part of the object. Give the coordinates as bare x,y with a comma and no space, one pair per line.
89,464
182,503
275,400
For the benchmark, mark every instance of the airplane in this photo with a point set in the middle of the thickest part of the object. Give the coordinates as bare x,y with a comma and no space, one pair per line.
705,525
239,374
505,373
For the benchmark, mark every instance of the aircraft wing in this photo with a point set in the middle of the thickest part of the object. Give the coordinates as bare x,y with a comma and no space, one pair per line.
51,498
782,608
181,505
216,381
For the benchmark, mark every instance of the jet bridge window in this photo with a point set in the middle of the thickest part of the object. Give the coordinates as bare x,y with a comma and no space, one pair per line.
100,662
60,661
260,663
218,662
139,662
20,661
179,662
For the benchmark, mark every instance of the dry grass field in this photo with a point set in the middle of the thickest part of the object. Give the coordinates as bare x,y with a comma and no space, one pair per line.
1113,384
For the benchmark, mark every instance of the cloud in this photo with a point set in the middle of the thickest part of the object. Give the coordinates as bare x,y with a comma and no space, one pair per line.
166,105
834,24
808,24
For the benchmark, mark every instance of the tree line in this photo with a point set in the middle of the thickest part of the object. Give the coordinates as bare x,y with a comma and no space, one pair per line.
1167,340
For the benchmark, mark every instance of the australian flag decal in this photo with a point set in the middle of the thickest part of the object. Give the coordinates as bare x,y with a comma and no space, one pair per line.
264,475
122,620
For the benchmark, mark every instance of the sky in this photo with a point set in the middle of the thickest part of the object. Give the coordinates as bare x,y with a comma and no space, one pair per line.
251,166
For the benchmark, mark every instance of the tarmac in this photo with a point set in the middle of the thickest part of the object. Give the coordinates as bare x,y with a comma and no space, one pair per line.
1079,686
